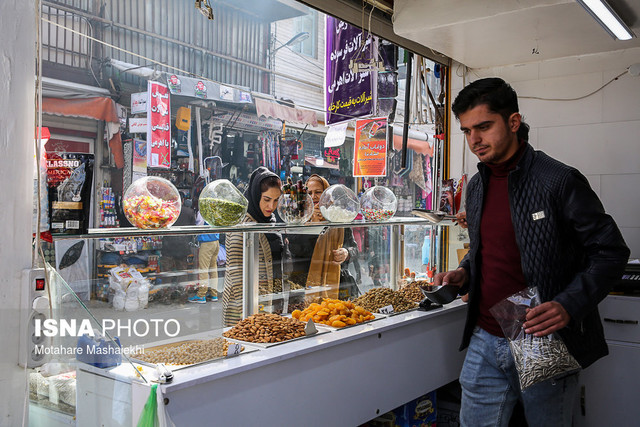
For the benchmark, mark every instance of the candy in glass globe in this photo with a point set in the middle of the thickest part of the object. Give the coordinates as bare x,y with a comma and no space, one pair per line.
222,204
378,203
295,209
338,203
152,202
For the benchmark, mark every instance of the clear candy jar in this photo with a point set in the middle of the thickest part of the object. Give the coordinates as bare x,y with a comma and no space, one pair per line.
378,203
152,202
339,204
295,209
295,206
222,204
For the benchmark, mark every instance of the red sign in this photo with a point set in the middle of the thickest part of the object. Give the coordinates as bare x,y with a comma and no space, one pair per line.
331,155
370,147
158,126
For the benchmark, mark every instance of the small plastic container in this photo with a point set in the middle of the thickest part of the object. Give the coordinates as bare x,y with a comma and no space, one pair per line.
222,204
378,203
295,210
152,202
339,204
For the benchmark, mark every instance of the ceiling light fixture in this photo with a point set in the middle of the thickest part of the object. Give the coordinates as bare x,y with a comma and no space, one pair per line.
608,18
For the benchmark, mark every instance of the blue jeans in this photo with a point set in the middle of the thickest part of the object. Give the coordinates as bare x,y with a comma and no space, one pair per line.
490,388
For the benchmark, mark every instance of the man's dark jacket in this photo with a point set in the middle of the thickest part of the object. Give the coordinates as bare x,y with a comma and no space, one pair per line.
570,248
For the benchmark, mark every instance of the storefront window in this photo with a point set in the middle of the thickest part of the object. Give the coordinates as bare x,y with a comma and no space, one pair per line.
134,90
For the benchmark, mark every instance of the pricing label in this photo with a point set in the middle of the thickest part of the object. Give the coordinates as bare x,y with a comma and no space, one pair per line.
310,328
387,309
233,349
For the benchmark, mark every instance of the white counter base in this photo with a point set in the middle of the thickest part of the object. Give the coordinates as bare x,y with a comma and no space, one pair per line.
343,378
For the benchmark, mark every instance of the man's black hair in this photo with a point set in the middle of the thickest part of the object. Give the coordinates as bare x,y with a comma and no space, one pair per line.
496,94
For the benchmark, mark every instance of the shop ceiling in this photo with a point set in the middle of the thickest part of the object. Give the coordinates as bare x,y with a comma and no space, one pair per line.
489,33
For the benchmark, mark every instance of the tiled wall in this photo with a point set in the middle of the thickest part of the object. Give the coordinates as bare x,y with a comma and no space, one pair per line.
599,135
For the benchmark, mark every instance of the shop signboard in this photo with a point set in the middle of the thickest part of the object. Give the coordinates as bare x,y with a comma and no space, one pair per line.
158,126
137,125
249,122
370,148
331,155
348,95
206,89
139,102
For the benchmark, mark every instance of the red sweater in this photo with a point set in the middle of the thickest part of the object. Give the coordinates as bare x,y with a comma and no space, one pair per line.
501,269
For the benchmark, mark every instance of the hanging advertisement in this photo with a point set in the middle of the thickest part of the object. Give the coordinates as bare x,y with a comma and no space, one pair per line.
139,163
158,126
370,148
348,95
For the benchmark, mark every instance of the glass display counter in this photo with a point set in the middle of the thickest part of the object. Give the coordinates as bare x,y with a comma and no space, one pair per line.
125,315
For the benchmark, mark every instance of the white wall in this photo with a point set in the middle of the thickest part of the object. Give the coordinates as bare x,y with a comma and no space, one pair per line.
599,135
17,70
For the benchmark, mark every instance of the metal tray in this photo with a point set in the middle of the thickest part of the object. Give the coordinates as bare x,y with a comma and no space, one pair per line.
247,349
271,344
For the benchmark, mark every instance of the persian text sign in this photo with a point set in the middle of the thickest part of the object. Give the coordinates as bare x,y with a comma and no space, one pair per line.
158,126
370,157
348,95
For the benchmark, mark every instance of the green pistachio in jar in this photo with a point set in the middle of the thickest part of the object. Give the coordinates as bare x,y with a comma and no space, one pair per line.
221,212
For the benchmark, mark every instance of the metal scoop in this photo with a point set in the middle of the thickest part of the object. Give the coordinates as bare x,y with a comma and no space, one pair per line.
442,294
433,216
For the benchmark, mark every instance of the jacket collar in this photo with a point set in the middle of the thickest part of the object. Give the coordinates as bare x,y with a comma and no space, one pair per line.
523,166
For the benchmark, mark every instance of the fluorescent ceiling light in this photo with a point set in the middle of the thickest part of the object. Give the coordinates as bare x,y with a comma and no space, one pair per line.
611,22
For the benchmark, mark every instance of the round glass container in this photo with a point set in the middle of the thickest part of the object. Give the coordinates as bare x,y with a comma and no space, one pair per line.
339,204
378,203
295,209
152,202
222,204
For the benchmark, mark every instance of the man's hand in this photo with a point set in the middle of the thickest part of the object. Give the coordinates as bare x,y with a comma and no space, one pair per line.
461,219
454,277
545,319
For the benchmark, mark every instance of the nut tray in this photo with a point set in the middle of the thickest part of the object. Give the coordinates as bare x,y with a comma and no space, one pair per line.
271,344
178,367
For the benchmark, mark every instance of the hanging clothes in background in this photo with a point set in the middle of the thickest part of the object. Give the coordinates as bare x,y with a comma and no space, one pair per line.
270,150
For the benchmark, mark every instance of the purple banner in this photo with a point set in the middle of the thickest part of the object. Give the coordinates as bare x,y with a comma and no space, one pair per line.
347,95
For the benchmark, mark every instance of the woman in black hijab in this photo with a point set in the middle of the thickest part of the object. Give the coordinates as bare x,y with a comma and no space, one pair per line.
263,192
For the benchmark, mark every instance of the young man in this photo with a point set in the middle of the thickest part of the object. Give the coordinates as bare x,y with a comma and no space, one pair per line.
533,221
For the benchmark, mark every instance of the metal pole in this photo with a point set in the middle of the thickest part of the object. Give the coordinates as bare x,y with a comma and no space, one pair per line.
250,274
407,106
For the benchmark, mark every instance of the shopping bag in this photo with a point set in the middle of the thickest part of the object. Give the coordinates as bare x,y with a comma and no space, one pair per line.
149,416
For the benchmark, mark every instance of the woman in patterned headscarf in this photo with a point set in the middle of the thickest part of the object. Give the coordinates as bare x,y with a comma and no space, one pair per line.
262,193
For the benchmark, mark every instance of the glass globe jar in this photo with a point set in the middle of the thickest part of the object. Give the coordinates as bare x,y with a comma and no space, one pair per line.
339,204
378,203
295,209
222,204
152,202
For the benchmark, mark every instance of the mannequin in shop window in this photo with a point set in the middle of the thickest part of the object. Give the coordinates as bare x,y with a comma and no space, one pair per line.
263,192
323,260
